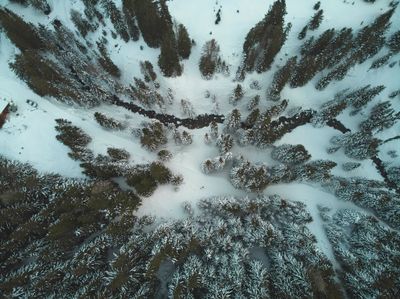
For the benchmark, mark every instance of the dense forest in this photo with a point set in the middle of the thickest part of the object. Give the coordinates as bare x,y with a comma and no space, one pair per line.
298,104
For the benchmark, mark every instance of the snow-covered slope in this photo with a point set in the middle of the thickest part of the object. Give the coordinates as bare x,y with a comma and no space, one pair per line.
346,191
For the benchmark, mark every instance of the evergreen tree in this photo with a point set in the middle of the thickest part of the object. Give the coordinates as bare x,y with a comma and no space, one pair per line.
394,42
290,154
108,122
116,18
364,95
233,121
24,35
249,177
316,20
302,34
214,130
209,59
360,145
281,77
83,26
186,138
337,74
381,61
265,40
253,103
41,5
128,9
147,70
237,94
187,108
183,42
168,60
150,22
371,39
225,143
382,116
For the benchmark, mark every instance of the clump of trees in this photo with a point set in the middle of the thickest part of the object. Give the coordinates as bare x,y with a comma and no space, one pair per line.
118,154
156,26
75,138
105,61
145,179
43,75
83,25
149,20
290,154
382,116
338,50
360,145
147,71
153,135
147,93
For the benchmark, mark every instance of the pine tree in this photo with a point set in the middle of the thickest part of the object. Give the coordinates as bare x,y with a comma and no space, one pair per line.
316,20
214,130
83,26
237,95
233,121
24,35
281,77
360,145
381,61
253,103
382,116
370,39
184,42
249,177
315,56
128,9
186,138
265,40
364,95
394,42
225,143
149,21
168,60
209,58
302,34
187,108
337,74
147,70
208,166
116,18
290,154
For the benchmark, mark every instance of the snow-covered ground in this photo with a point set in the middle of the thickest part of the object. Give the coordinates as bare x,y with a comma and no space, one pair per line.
29,135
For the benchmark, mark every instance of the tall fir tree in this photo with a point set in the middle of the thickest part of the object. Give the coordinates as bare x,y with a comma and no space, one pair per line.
265,40
184,42
281,77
